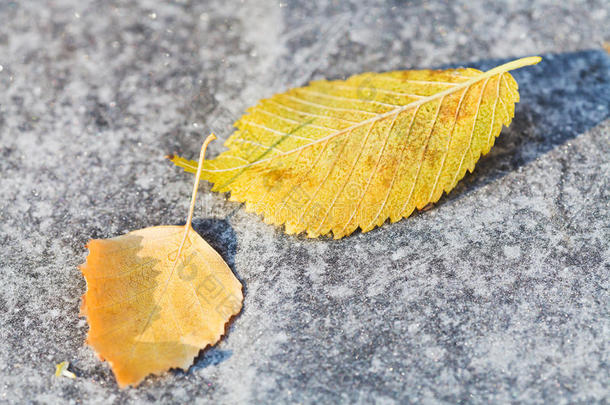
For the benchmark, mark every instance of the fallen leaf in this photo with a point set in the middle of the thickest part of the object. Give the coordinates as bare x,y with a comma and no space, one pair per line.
156,297
61,370
338,155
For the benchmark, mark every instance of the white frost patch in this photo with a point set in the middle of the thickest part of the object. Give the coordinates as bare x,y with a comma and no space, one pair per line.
512,252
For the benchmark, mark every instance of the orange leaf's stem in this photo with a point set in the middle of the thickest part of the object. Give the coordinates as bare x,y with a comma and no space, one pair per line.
209,139
189,219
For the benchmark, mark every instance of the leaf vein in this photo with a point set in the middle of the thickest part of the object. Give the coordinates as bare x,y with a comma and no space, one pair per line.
262,110
474,124
368,183
330,170
351,99
457,113
366,137
310,114
328,107
423,155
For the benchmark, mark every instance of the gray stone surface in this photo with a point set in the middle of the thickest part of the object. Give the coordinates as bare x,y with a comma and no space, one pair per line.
499,294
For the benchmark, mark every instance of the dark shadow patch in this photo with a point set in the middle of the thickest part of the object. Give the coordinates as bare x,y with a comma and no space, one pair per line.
211,357
220,235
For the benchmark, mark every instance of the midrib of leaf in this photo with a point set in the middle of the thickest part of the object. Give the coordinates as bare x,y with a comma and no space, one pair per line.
465,85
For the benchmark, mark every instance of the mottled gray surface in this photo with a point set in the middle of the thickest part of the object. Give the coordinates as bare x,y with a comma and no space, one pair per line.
499,294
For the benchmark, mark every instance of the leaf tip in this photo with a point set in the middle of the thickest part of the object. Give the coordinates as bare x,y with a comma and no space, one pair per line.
515,64
527,61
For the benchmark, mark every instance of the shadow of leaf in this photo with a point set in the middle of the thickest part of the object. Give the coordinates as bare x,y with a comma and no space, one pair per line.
211,357
220,235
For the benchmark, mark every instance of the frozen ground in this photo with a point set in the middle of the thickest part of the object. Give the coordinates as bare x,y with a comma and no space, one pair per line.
498,294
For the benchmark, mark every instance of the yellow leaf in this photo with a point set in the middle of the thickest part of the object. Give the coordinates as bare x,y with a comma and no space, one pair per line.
156,297
338,155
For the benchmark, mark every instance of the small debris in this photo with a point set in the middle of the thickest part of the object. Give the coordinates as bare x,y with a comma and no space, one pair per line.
61,370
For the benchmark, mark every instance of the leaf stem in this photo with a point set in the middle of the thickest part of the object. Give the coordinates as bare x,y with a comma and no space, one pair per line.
189,218
209,139
515,64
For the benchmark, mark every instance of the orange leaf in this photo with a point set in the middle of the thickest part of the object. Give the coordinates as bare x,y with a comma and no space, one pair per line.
156,297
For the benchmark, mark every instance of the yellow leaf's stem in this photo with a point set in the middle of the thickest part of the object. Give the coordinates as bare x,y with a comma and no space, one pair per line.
515,64
189,219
